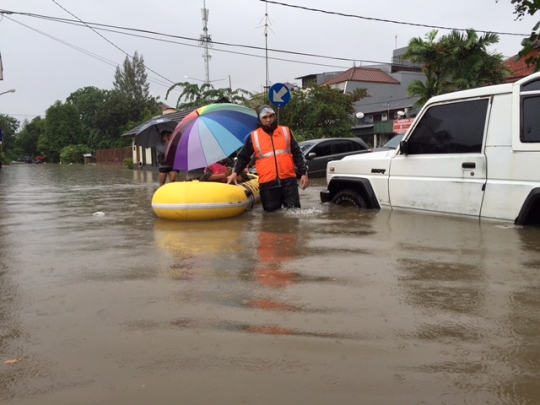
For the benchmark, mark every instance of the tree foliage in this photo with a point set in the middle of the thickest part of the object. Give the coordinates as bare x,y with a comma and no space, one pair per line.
90,101
8,126
62,128
129,102
73,154
320,111
119,114
457,61
523,7
531,44
194,96
132,79
27,138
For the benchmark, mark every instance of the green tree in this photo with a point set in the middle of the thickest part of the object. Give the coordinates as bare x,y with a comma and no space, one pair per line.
132,79
89,101
194,96
129,102
470,63
8,126
27,138
62,128
531,45
73,154
119,114
320,111
427,52
523,7
455,62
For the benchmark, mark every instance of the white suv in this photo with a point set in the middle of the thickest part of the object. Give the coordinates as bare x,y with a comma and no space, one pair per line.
474,152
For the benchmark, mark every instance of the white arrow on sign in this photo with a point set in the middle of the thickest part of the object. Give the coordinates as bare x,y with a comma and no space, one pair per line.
279,94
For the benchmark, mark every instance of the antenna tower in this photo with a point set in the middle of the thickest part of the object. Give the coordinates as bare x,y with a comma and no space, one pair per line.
267,23
206,42
266,45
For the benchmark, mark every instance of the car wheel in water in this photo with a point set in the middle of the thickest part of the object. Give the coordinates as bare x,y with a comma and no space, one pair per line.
349,198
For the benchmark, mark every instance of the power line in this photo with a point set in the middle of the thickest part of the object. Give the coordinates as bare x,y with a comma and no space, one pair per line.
74,22
88,53
385,20
110,42
93,55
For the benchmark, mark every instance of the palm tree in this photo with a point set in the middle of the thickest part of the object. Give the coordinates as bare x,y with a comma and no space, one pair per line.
456,62
471,64
427,53
195,96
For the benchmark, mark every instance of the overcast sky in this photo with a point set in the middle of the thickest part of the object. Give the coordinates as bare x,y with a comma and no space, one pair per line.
46,60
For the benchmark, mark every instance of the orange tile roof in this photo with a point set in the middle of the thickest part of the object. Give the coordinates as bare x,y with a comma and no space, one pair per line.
361,74
519,68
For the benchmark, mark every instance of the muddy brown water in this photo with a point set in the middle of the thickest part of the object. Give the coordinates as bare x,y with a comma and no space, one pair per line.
328,305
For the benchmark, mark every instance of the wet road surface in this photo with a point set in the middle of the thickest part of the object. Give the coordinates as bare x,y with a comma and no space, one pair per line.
326,305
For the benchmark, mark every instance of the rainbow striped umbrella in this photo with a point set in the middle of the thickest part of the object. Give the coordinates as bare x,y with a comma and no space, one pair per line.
209,134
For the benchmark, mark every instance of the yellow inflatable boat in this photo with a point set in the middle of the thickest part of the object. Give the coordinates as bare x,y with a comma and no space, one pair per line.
200,200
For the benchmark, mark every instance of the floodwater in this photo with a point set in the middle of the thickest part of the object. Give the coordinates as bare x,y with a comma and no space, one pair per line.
328,305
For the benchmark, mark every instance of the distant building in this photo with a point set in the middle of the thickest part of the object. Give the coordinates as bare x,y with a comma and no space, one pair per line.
386,85
317,78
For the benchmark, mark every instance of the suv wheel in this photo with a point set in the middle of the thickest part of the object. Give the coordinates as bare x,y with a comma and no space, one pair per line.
349,198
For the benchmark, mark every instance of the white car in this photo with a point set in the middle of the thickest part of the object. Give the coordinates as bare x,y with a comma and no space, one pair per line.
473,152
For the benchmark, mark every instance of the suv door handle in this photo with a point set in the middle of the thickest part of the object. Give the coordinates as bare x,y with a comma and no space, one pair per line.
468,165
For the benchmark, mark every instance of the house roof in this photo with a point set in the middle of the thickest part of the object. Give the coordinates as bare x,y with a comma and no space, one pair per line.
362,74
175,116
518,67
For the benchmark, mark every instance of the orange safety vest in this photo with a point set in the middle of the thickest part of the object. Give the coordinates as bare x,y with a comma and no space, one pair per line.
273,156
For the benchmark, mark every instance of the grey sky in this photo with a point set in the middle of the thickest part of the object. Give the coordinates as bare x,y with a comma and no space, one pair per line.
43,70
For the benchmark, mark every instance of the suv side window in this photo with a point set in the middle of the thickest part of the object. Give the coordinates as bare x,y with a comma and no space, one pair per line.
450,128
323,149
530,119
343,146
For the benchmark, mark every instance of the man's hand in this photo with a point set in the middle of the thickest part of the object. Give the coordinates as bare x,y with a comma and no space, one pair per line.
232,178
304,182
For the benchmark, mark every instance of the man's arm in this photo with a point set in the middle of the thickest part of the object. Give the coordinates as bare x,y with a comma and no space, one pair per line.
298,156
244,157
299,162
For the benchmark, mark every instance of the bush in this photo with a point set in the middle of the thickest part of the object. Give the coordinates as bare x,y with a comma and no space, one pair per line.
73,154
128,163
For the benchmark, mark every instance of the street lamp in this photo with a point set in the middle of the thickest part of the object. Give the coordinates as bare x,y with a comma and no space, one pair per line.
9,91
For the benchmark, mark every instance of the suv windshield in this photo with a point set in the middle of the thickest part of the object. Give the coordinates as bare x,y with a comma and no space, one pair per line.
394,142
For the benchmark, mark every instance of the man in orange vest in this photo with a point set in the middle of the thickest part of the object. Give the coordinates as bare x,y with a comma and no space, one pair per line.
276,154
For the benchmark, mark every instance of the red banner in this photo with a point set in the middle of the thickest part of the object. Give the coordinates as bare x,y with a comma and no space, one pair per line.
401,126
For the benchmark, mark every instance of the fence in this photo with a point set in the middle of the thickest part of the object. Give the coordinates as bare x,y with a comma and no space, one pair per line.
113,156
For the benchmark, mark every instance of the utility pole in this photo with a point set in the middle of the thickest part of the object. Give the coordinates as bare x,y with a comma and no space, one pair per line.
206,42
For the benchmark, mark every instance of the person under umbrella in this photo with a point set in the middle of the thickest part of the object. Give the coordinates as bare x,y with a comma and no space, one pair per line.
217,172
164,169
276,154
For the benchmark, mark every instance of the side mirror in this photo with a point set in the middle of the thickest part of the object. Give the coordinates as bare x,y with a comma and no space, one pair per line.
404,147
311,155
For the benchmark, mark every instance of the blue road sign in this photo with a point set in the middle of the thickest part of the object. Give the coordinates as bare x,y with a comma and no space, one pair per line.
279,95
